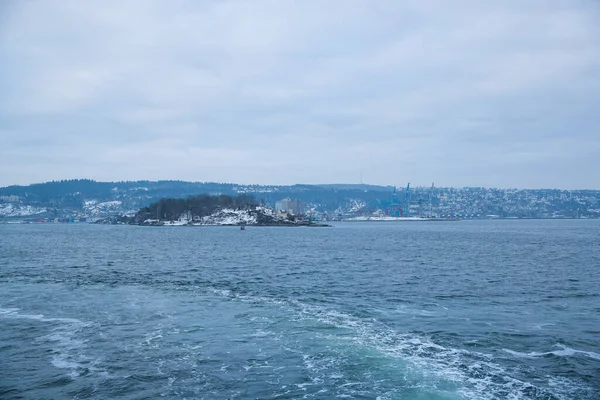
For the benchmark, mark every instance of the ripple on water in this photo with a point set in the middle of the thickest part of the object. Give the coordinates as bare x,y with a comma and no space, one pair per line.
437,311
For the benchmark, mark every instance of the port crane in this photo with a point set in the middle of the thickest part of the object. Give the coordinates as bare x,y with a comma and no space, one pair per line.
431,201
407,200
396,207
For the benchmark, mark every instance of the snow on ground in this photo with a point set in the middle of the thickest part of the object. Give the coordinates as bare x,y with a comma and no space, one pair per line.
258,215
228,216
387,218
94,208
19,210
356,204
267,211
183,220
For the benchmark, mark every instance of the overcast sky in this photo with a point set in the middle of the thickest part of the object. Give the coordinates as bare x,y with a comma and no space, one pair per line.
460,93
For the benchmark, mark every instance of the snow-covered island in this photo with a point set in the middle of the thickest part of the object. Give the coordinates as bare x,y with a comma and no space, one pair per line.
252,216
207,210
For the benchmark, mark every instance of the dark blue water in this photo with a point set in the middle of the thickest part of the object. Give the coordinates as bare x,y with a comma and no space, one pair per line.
451,310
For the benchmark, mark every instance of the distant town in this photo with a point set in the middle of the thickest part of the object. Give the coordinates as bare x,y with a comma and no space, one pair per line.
89,201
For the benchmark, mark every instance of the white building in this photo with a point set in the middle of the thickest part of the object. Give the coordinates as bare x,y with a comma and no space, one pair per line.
289,206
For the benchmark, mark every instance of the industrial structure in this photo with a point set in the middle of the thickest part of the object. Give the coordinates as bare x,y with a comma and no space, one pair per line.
289,206
396,207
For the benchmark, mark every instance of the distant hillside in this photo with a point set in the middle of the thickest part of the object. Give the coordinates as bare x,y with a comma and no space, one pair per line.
100,198
91,199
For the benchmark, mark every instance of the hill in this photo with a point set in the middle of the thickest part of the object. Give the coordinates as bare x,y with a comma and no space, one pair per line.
84,198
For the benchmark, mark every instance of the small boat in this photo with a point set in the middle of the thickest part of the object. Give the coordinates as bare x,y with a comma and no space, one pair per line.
243,227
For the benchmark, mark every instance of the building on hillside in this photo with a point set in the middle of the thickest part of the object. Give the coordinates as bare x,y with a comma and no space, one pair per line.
10,199
289,206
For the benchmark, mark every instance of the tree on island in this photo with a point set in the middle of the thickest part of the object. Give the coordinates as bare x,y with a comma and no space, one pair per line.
170,209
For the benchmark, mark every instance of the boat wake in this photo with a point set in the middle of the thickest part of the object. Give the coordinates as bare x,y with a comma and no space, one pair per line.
437,368
64,340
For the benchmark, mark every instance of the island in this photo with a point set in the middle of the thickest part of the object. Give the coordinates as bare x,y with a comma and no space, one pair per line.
210,210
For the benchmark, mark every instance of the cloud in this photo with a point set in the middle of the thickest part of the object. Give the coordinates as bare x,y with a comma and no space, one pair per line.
301,91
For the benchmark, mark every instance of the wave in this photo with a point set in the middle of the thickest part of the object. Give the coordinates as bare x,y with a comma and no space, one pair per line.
563,352
14,313
66,346
473,375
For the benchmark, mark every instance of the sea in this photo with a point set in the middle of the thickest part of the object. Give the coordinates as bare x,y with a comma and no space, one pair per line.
490,309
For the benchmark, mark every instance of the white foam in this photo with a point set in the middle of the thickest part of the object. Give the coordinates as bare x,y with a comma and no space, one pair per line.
69,350
219,292
474,375
350,384
303,386
61,361
151,338
14,313
259,333
66,346
563,352
542,326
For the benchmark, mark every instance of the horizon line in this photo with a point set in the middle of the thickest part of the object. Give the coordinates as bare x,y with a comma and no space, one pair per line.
294,184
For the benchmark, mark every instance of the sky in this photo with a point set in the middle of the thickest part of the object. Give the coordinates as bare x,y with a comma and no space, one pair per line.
460,93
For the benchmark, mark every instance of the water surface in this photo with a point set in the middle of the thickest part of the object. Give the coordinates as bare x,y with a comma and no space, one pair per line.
419,310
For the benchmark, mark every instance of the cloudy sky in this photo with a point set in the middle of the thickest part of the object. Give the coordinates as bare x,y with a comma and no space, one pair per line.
460,93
